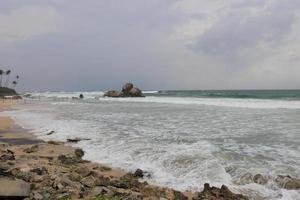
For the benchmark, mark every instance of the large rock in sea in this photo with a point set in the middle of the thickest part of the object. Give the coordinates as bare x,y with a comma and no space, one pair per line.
128,90
112,93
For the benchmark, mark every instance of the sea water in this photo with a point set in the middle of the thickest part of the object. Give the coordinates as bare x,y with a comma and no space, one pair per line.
182,138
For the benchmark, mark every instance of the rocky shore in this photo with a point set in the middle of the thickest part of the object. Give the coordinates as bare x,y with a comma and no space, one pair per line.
128,90
37,170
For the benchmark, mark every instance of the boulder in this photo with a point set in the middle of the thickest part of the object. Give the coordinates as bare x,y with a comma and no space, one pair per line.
39,170
288,182
32,149
112,93
8,155
260,179
222,193
17,189
79,153
128,90
88,181
68,160
135,92
139,173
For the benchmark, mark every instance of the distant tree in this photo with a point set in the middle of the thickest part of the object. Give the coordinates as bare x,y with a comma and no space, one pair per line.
14,84
7,77
1,76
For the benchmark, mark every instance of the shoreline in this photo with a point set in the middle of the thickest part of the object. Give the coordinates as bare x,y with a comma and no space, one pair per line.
54,170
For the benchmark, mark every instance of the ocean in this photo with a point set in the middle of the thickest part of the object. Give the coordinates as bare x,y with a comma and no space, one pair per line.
182,138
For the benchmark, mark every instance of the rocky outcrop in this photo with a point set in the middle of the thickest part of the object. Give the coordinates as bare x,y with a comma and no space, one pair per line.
288,182
128,90
66,175
214,193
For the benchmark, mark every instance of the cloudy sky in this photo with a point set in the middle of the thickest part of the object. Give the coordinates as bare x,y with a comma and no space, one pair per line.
157,44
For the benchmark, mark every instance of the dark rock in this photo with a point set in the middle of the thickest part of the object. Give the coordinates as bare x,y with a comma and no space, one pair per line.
83,171
51,132
128,90
135,92
129,181
32,149
139,173
14,188
75,176
220,194
81,96
54,142
260,179
40,170
4,170
67,160
102,181
36,196
7,156
179,196
79,153
75,140
88,181
287,182
20,174
112,93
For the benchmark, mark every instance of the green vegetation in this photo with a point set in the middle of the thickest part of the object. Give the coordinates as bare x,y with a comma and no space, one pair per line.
5,90
101,197
64,198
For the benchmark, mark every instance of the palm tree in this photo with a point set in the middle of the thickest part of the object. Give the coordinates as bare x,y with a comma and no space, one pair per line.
1,76
7,77
14,84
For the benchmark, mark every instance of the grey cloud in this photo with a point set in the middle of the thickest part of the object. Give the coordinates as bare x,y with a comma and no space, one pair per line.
240,29
105,43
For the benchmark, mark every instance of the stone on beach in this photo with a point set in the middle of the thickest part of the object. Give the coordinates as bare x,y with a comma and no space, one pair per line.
79,153
14,188
214,193
32,149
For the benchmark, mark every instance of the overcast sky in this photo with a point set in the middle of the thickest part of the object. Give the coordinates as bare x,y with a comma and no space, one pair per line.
156,44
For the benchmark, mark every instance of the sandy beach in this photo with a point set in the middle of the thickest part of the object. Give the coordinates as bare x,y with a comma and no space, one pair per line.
34,169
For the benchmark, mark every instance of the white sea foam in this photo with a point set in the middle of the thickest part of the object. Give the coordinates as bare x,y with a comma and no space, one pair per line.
224,102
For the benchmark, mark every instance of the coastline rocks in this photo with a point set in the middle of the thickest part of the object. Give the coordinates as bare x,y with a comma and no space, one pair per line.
40,170
79,153
139,173
128,90
288,182
32,149
260,179
223,193
7,155
68,160
76,140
